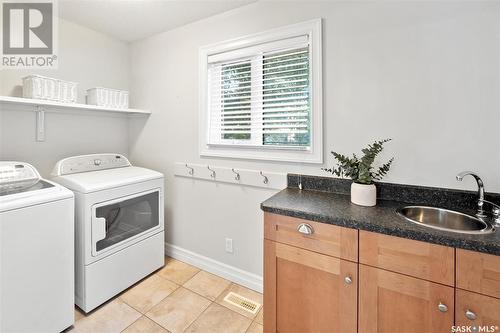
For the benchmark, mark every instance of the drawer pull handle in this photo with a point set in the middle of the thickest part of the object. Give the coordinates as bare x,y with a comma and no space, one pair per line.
442,307
470,315
348,280
305,229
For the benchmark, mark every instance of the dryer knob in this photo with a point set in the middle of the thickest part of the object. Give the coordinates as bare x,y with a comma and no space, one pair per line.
97,162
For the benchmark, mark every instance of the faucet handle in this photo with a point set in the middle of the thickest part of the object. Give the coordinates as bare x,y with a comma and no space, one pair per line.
496,216
495,210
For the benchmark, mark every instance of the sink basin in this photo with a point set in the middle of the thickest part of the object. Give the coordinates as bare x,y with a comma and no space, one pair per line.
444,219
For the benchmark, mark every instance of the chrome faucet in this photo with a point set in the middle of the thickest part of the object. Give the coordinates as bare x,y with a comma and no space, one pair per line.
481,201
480,190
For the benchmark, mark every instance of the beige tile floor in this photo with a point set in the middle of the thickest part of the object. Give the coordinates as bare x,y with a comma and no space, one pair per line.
177,298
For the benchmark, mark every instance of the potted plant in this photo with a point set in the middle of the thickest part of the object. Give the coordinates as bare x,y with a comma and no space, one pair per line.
362,172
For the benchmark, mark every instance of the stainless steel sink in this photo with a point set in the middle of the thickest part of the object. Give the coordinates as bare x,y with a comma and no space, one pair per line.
444,219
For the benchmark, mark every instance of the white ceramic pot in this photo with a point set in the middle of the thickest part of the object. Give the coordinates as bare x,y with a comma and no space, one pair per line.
363,195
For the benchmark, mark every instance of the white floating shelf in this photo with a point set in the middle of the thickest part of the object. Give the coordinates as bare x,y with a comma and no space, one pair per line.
41,106
51,106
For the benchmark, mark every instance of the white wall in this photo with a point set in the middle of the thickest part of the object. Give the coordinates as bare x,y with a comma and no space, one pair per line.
426,74
91,59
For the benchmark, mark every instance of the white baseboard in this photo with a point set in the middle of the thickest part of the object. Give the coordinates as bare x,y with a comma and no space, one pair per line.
228,272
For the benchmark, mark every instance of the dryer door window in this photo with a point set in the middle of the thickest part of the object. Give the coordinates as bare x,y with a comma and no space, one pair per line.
118,221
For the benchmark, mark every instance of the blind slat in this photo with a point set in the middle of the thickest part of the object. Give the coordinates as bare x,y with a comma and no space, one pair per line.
279,121
274,131
267,105
227,71
267,115
246,91
261,100
249,86
257,96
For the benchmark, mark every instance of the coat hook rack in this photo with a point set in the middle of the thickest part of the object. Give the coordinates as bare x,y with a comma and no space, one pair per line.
266,180
237,177
212,172
191,170
257,178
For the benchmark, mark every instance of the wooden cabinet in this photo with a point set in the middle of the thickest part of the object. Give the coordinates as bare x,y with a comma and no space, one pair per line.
478,293
305,291
476,310
314,283
419,259
308,286
478,272
391,302
405,290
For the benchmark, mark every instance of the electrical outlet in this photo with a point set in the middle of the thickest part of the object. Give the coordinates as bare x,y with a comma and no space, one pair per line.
229,245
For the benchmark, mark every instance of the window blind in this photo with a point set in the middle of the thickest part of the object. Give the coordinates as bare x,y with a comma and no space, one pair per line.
262,99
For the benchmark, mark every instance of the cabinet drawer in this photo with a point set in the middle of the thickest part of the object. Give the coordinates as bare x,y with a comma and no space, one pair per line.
419,259
476,310
479,272
325,238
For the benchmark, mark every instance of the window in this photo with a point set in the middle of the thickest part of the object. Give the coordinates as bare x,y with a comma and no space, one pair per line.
261,96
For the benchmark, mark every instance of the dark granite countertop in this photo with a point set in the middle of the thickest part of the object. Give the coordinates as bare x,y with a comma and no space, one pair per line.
337,209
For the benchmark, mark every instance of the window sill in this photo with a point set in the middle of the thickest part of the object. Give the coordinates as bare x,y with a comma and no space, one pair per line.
264,154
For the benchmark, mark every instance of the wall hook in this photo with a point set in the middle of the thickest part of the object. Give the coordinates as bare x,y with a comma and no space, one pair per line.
237,177
266,180
191,170
212,172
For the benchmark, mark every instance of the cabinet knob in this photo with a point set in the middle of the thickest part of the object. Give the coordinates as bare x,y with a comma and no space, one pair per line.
470,315
442,307
305,229
348,280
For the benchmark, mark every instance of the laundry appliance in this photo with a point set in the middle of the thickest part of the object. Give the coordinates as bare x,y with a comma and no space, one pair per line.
36,252
119,224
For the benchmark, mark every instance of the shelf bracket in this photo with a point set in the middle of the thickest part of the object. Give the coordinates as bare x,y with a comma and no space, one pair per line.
40,123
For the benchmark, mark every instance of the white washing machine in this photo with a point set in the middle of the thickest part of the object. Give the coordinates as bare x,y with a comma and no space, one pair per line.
119,224
36,252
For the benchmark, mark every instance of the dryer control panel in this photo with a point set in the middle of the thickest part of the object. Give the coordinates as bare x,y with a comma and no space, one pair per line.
87,163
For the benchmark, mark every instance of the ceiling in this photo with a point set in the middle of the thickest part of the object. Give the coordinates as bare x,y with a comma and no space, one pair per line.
130,20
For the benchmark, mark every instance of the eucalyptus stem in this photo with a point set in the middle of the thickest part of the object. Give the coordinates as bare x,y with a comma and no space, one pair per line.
360,169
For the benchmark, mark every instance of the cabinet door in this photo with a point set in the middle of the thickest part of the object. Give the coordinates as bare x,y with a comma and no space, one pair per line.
478,272
391,302
477,310
306,291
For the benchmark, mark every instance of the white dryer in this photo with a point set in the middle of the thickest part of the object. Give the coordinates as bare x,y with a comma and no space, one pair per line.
36,252
119,224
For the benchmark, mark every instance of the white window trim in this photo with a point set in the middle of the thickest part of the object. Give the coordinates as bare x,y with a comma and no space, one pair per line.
283,154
